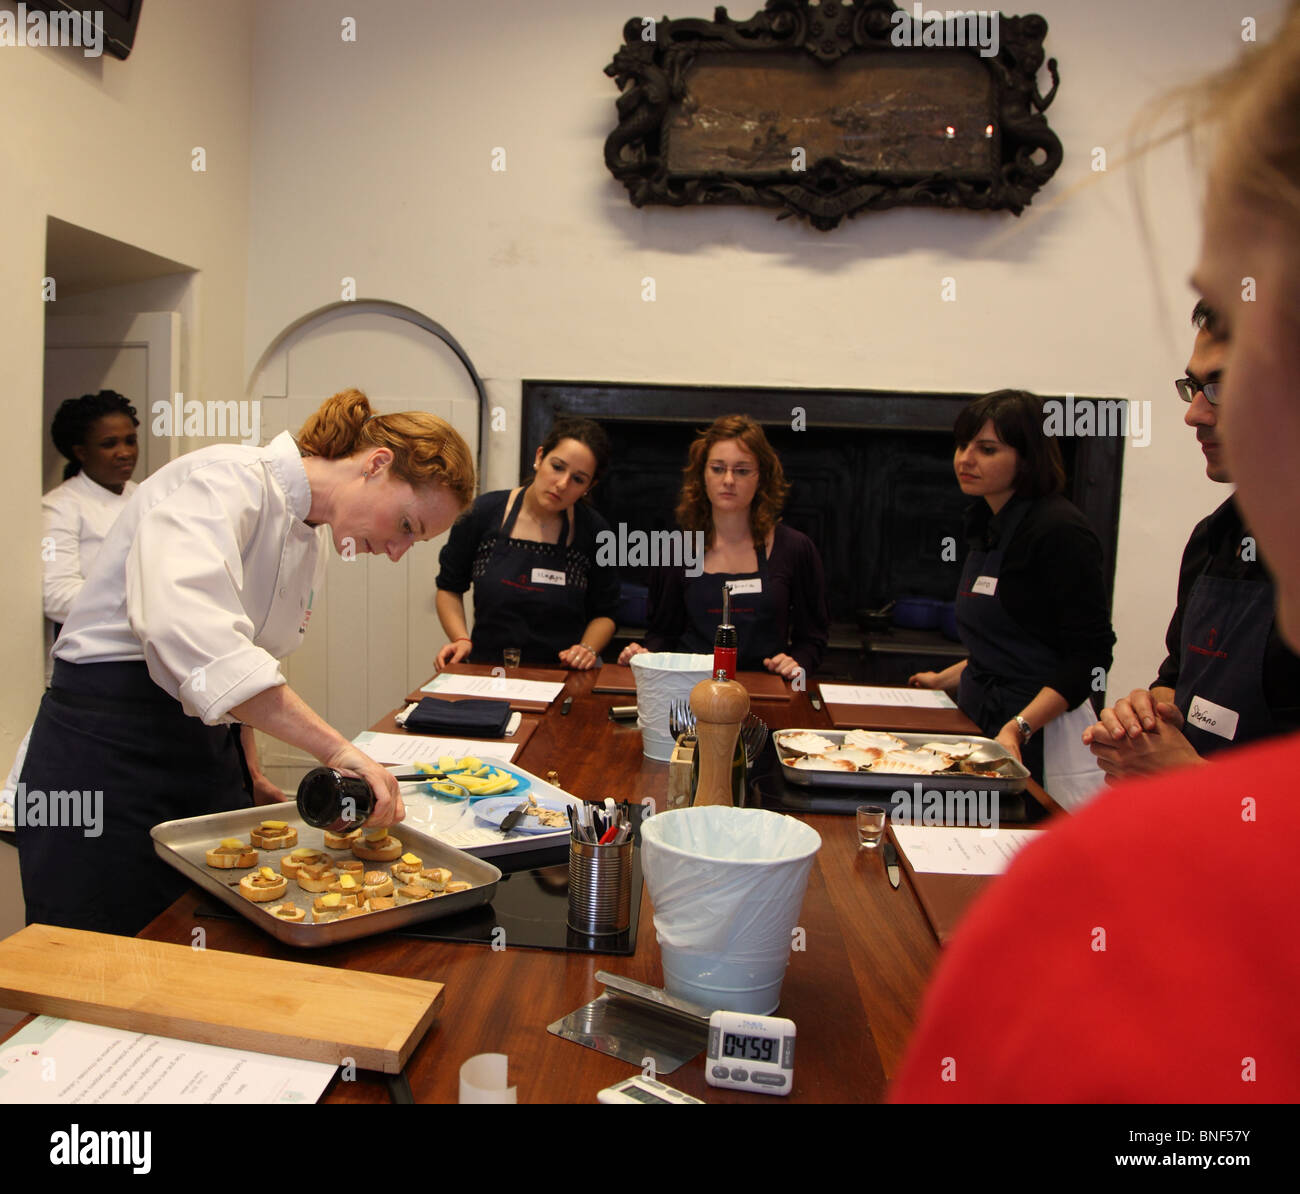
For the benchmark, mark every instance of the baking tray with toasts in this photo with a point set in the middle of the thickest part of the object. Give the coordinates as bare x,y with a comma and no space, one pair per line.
875,759
185,844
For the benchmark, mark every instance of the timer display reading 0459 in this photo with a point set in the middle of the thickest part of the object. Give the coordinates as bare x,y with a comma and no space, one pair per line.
749,1048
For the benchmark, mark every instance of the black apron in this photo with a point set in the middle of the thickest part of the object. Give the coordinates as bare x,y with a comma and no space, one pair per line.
108,728
1226,627
752,614
530,595
1008,666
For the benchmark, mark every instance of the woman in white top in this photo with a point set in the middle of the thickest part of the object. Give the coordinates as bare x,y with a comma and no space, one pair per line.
97,433
203,583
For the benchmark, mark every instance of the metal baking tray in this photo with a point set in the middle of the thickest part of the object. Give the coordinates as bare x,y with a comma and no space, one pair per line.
1013,778
184,843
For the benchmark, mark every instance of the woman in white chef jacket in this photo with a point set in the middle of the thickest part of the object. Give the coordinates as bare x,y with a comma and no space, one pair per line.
97,434
204,582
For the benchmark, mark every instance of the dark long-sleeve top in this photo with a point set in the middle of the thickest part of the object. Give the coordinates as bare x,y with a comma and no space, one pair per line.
796,586
1215,549
469,547
1052,584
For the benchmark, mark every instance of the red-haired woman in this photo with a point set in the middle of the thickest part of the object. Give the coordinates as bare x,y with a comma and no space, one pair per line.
204,583
732,496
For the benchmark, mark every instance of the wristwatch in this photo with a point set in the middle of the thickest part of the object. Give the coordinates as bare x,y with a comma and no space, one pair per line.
1026,730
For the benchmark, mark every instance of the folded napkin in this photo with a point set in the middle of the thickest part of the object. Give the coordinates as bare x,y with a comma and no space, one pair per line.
458,719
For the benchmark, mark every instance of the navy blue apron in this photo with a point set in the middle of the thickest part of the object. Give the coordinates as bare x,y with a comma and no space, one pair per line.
531,595
1008,666
108,728
752,615
1224,638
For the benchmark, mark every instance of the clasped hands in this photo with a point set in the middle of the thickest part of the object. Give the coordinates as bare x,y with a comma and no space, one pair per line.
1139,736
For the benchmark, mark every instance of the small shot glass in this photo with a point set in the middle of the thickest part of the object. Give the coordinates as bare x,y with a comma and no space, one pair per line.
871,825
511,656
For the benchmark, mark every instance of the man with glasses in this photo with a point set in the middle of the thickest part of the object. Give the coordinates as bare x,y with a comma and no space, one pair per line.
1228,678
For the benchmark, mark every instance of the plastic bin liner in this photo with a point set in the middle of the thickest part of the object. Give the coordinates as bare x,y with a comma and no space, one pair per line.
727,885
662,677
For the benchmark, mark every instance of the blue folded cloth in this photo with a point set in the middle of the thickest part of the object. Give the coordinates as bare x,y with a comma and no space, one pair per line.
462,719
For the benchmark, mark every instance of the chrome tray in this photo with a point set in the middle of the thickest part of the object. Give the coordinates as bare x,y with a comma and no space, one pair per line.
184,843
1014,777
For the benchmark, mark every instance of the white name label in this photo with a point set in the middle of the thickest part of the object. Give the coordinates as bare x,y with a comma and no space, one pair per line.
988,585
754,585
1212,718
542,577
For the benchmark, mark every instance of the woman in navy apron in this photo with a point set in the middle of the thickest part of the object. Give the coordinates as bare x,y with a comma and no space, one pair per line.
732,497
530,554
203,584
1032,608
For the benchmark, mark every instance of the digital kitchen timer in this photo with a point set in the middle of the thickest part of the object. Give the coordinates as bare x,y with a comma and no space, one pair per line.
748,1052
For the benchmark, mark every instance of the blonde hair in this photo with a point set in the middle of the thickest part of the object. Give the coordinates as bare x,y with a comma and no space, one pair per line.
426,450
1255,108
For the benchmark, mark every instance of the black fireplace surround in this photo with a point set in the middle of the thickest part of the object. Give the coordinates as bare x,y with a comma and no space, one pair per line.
871,479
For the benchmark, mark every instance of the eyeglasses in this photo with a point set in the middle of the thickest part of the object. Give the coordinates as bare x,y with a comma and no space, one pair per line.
742,472
1188,387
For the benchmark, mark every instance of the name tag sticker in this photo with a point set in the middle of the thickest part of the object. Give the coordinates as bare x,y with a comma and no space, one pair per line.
1212,718
988,585
542,576
753,585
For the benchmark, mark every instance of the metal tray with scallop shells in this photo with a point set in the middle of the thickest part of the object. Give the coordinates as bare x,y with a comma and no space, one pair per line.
184,843
1010,778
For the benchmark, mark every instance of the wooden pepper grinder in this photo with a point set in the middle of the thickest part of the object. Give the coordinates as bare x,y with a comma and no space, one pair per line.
719,706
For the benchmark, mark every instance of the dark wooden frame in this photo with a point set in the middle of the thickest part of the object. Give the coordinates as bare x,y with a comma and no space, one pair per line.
653,78
1095,481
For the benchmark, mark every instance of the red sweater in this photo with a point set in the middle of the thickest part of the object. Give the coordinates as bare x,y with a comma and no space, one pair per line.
1189,880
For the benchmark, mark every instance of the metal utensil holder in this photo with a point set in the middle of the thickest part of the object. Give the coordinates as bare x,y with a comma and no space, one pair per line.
600,887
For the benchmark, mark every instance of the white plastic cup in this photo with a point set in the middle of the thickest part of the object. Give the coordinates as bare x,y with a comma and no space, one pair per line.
662,677
727,886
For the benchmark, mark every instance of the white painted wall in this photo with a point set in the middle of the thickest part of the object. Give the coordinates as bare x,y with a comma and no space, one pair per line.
373,160
107,145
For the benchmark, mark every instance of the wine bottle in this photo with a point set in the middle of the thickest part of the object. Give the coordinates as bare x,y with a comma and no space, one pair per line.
330,800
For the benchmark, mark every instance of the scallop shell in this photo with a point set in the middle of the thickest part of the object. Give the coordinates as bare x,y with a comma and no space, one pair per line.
862,759
824,763
873,740
806,744
911,762
954,750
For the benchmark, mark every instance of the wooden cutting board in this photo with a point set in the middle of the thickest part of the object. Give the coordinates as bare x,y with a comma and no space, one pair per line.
761,686
291,1009
546,675
901,719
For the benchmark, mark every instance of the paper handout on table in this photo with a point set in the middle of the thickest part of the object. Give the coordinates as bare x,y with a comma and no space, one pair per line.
939,850
865,694
494,688
52,1060
415,748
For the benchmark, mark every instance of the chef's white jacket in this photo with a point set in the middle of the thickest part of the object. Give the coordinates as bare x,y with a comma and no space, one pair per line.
75,517
207,576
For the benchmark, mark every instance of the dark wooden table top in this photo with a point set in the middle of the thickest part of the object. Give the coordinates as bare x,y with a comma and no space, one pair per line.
854,991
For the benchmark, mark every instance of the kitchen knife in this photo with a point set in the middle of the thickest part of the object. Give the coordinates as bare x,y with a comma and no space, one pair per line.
513,817
891,863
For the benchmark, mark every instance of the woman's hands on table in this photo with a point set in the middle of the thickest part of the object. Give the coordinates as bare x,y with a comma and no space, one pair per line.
581,657
783,666
453,653
625,655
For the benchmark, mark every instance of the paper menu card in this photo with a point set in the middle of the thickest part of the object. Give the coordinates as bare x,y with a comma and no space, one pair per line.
863,694
495,688
417,748
942,850
52,1060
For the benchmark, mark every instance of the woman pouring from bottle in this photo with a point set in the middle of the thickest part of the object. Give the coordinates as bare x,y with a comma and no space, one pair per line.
732,496
1031,606
205,581
530,554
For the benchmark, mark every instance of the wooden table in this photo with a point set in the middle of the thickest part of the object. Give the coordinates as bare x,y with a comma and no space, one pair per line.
854,992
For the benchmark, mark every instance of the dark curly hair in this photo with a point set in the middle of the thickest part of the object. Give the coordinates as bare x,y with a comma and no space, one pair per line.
695,511
588,433
75,417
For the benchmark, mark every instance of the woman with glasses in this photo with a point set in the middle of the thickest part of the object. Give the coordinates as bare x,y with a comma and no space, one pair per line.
733,493
530,555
